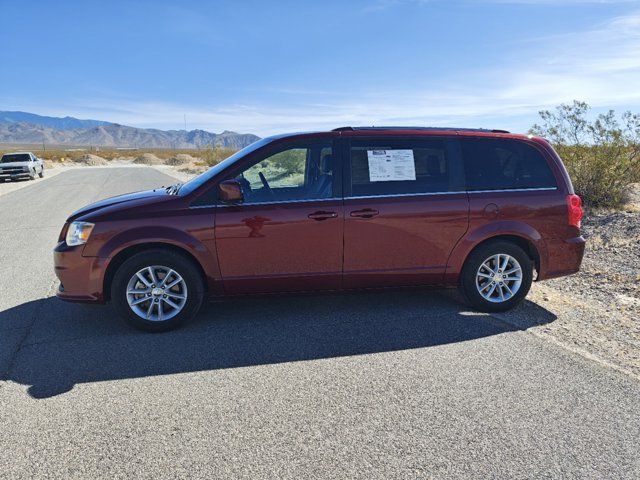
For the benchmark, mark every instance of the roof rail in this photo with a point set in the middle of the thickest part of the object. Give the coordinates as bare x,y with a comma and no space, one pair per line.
456,129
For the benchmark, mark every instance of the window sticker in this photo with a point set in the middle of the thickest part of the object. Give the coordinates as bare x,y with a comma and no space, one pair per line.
391,165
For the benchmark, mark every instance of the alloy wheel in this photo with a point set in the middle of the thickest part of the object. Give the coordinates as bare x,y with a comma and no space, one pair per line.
499,278
156,293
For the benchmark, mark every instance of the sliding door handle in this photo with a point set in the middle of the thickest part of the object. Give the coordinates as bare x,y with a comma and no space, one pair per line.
365,213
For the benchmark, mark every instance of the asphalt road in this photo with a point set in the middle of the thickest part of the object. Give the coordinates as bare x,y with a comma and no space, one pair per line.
367,385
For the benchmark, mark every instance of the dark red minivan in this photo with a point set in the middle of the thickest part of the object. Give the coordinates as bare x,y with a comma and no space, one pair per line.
346,209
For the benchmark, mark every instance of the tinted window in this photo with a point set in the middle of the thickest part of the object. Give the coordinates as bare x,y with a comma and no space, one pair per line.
383,167
492,164
15,157
304,172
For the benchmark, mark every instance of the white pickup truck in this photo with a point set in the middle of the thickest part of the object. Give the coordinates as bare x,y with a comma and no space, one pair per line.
20,165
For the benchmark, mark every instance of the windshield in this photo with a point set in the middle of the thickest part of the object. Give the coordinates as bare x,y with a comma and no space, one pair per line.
15,157
195,182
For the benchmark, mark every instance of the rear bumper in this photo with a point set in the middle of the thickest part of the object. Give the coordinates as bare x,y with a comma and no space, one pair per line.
81,278
564,257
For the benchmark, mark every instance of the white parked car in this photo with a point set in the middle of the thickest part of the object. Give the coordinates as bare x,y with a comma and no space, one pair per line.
20,165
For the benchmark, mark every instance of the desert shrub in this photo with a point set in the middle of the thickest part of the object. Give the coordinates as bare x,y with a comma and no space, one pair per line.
148,159
601,155
209,155
214,155
292,161
181,159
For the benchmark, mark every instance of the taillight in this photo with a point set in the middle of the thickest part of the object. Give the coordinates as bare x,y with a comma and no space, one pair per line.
574,210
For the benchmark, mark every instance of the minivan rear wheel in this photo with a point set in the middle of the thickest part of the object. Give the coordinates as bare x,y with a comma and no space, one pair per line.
157,290
496,276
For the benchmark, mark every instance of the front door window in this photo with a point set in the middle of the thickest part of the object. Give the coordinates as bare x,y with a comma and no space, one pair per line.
304,173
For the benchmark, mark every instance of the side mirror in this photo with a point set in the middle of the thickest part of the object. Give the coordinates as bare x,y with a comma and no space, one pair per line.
230,191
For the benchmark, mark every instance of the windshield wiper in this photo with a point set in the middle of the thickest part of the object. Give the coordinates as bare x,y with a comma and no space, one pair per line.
173,189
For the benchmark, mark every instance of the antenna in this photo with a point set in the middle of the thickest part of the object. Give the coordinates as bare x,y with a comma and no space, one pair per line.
185,122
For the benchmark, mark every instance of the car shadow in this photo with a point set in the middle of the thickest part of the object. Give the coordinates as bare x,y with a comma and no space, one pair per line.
68,344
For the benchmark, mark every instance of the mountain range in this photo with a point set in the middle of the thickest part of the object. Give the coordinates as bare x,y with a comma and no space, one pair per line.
66,123
29,128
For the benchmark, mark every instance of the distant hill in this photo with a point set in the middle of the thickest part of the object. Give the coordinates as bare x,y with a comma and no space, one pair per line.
95,133
66,123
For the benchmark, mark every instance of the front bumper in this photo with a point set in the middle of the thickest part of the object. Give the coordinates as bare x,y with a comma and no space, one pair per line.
81,278
14,176
564,257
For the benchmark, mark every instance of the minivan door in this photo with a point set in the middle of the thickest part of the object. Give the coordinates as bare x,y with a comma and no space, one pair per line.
405,209
287,233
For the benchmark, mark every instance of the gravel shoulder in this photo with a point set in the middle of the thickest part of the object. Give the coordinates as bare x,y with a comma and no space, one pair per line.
597,311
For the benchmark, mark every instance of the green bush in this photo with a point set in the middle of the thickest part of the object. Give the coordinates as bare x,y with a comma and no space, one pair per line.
292,161
602,156
214,155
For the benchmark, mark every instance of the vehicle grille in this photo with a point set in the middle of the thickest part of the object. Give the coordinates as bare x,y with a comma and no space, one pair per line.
12,170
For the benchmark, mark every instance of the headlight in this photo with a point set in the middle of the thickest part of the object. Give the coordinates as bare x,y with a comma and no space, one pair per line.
78,233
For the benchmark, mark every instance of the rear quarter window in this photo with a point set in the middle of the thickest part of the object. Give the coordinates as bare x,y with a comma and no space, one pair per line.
503,164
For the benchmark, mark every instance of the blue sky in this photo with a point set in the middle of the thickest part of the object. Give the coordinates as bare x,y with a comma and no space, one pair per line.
268,67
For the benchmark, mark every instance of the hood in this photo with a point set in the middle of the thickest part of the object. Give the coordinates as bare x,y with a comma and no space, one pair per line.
128,199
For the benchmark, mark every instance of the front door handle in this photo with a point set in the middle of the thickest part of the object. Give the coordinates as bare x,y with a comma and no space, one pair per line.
322,215
365,213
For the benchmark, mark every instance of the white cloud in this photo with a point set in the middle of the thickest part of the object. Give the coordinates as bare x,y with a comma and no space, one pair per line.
600,66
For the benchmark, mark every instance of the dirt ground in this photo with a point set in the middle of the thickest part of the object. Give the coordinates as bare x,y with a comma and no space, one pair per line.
184,166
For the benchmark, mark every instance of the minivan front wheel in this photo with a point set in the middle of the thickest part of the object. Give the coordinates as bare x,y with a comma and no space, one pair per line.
497,276
157,290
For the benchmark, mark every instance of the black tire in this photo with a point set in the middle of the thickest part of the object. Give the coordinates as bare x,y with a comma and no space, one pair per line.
473,263
158,257
41,174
